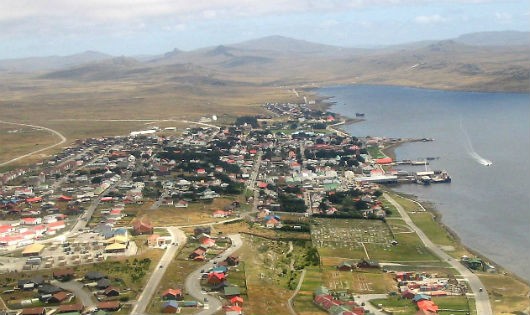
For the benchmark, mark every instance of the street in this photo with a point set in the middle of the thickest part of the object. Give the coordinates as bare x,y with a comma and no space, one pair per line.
193,282
76,287
152,284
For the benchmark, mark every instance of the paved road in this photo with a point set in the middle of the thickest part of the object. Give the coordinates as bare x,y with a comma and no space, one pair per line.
152,284
83,220
482,299
158,202
57,133
365,298
86,297
193,282
201,123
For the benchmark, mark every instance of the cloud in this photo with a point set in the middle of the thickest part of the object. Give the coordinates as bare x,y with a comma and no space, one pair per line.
429,19
112,10
503,17
329,23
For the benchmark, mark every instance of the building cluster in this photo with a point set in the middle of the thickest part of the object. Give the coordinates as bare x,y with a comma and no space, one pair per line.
58,300
411,284
337,302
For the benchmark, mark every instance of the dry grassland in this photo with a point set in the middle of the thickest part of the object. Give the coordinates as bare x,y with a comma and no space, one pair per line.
196,213
265,289
507,294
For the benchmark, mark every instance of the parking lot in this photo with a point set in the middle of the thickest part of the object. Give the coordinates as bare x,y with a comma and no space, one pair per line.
85,248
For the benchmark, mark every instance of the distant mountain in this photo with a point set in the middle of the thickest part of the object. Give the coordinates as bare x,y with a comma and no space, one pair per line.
220,50
108,69
283,44
503,38
34,64
276,61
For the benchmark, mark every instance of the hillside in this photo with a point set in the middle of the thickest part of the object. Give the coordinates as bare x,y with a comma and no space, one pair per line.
276,60
34,64
235,79
505,38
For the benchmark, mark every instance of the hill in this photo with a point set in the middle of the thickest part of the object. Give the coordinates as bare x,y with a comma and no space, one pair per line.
35,64
504,38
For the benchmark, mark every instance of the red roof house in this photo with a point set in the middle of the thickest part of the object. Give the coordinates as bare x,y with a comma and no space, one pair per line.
216,277
237,300
172,294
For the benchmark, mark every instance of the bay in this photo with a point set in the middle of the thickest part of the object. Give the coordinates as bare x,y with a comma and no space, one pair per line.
487,206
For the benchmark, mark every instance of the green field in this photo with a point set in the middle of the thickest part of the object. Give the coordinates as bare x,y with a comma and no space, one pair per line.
447,304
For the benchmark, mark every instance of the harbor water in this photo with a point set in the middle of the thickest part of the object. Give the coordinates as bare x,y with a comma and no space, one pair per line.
488,206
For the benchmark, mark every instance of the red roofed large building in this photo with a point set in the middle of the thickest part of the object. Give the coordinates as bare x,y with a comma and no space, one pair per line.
385,160
31,221
427,305
142,226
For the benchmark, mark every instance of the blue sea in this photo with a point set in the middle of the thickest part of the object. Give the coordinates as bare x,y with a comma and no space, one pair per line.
487,206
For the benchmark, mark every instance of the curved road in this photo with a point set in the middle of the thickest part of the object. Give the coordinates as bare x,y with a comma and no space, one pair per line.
193,281
86,297
152,284
63,140
482,299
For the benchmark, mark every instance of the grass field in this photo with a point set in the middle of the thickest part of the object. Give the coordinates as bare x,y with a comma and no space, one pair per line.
361,281
506,293
255,229
426,221
369,239
18,140
375,152
447,304
196,213
267,271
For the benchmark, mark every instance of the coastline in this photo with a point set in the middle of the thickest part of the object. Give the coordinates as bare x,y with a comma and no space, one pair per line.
419,87
326,103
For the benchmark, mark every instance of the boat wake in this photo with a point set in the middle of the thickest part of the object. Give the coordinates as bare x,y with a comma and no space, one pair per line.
471,151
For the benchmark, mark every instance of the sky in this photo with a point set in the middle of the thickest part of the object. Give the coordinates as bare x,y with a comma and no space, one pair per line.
145,27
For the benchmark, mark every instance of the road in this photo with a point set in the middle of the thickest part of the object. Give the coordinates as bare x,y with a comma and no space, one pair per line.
193,281
202,124
86,297
252,184
365,298
83,220
158,202
482,299
152,284
55,132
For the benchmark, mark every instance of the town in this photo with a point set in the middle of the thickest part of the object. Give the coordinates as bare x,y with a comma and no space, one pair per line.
189,222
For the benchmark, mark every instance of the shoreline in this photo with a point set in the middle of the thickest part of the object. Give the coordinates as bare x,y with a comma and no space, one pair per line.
419,87
437,217
324,102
